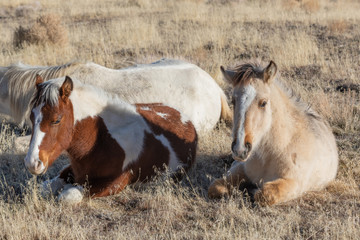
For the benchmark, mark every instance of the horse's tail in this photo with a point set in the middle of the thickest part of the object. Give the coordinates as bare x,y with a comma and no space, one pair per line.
226,113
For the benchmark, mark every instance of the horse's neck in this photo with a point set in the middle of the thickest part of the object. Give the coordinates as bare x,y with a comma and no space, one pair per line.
85,136
90,101
90,140
96,113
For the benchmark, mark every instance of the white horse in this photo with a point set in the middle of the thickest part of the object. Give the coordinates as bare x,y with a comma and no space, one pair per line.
181,85
281,144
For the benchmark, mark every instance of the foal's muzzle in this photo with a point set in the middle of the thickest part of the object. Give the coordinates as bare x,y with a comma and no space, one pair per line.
240,154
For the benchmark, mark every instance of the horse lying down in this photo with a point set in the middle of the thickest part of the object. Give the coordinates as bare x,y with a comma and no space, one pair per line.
181,85
280,144
110,143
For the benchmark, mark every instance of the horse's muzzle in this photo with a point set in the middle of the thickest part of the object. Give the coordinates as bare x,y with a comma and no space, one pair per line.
36,167
240,155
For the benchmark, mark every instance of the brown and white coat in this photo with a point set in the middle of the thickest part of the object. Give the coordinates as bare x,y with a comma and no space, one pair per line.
110,143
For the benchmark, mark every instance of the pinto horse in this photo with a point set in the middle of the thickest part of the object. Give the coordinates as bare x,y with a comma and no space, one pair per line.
110,143
280,144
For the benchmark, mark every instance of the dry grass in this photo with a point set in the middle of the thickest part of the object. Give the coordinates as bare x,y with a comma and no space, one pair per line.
314,43
338,26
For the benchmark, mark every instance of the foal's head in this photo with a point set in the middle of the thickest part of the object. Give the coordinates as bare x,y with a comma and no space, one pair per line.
252,106
52,119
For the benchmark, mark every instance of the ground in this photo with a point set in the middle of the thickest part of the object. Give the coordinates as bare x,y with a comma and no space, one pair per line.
316,45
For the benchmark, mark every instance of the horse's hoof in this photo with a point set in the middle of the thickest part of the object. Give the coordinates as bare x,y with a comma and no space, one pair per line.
218,190
71,194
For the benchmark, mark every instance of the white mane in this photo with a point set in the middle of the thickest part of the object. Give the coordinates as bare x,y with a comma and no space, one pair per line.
21,80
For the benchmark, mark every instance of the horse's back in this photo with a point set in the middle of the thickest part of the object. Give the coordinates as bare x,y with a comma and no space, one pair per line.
178,84
173,130
325,154
166,119
314,157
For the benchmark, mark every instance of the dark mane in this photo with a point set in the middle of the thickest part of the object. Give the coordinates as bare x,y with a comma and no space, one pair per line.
246,72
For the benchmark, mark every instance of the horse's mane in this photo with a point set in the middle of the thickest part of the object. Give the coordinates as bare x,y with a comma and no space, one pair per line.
21,80
47,92
245,72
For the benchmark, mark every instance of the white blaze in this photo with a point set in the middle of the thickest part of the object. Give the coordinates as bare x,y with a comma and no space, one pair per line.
32,157
243,97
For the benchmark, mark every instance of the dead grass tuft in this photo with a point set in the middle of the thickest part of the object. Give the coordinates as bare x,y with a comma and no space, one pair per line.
47,29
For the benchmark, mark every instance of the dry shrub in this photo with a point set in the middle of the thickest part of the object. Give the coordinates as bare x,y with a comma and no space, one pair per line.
47,29
338,26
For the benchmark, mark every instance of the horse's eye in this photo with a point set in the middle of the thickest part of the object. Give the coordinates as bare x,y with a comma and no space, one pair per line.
56,122
262,103
233,101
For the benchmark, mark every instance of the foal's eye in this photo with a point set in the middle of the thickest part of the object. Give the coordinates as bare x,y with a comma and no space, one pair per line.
262,103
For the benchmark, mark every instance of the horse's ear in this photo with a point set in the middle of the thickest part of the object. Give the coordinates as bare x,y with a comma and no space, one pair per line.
66,88
270,72
39,80
228,75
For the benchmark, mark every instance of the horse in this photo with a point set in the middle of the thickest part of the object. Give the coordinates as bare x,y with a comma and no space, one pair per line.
110,142
280,144
179,84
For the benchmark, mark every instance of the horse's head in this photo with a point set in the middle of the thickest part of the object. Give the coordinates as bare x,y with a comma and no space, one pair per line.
53,120
252,106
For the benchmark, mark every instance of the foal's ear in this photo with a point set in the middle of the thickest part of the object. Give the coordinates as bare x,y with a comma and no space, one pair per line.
39,80
228,75
270,72
66,88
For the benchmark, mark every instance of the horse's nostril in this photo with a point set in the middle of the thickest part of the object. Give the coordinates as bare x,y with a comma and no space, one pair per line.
38,164
248,146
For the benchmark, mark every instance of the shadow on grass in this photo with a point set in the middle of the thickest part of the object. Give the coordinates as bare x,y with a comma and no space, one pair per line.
16,181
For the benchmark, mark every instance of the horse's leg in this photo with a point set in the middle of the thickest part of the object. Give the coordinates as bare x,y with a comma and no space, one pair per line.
222,186
100,189
276,191
73,194
53,186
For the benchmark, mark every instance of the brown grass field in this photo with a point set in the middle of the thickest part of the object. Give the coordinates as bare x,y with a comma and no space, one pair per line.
316,45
